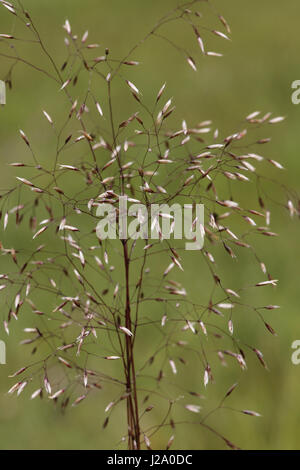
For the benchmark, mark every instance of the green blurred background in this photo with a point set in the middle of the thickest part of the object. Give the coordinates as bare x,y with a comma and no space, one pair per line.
255,73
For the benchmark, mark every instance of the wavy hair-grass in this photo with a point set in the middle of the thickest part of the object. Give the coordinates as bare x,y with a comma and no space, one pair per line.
139,335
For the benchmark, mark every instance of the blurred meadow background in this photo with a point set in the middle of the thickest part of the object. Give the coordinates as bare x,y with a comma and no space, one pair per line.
256,73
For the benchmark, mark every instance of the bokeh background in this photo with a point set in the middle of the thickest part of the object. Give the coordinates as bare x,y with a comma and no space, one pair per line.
255,73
